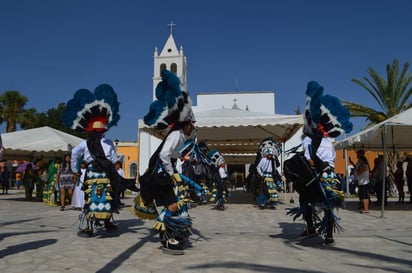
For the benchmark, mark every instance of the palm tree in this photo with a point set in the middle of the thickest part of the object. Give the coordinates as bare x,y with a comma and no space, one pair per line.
392,94
28,119
12,109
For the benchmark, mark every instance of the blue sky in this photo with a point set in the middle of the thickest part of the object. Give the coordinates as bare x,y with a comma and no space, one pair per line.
49,48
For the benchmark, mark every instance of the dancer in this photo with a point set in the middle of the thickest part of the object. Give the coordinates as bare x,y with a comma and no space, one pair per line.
325,118
219,179
51,188
196,166
30,178
269,181
161,185
95,113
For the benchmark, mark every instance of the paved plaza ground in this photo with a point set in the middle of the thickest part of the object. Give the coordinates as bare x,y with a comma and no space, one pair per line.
42,239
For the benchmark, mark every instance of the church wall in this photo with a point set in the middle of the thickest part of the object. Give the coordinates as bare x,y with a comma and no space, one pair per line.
261,102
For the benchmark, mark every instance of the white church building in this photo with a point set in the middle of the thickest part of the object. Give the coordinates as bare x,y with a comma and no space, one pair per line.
173,59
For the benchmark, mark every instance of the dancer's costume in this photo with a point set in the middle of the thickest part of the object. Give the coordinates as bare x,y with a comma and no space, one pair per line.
196,166
95,113
220,179
162,185
268,182
325,118
51,188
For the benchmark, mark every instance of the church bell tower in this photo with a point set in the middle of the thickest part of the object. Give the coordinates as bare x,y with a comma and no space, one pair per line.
172,59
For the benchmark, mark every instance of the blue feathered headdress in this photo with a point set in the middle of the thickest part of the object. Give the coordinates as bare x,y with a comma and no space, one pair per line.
325,113
88,111
172,105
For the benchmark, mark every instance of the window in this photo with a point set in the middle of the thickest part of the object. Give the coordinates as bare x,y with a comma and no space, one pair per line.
173,68
133,170
162,67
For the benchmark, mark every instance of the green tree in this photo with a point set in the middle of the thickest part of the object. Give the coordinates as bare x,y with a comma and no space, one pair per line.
12,110
28,118
53,119
392,94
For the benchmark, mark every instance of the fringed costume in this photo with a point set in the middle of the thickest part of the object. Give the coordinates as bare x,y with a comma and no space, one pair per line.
51,188
220,180
95,113
268,180
313,170
162,185
196,166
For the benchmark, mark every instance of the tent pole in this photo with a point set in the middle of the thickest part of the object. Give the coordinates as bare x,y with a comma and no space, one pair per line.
346,171
384,170
282,159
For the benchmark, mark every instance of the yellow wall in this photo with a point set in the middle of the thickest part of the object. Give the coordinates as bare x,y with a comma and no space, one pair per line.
130,151
340,159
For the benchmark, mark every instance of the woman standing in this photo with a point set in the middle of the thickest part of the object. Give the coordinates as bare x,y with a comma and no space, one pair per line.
362,177
65,180
78,193
399,182
29,180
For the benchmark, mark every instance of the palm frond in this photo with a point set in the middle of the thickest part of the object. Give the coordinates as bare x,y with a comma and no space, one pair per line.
392,94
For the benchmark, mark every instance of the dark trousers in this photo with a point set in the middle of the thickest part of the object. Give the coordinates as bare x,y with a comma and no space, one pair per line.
378,191
409,182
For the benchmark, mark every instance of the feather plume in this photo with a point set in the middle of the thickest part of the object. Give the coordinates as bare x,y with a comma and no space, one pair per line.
172,104
88,111
325,113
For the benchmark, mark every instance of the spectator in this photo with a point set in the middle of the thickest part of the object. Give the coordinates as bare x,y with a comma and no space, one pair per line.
78,193
18,180
120,171
5,179
65,180
29,180
352,181
378,174
362,178
409,176
399,182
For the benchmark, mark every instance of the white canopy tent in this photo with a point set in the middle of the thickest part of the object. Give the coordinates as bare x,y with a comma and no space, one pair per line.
45,141
237,133
393,134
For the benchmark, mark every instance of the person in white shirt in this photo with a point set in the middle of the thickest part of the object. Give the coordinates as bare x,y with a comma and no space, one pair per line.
120,171
220,179
266,169
161,185
325,118
97,185
94,113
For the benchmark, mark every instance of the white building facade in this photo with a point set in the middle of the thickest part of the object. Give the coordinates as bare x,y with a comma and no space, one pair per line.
172,59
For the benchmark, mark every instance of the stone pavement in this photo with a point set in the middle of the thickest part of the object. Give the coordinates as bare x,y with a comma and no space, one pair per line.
38,238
